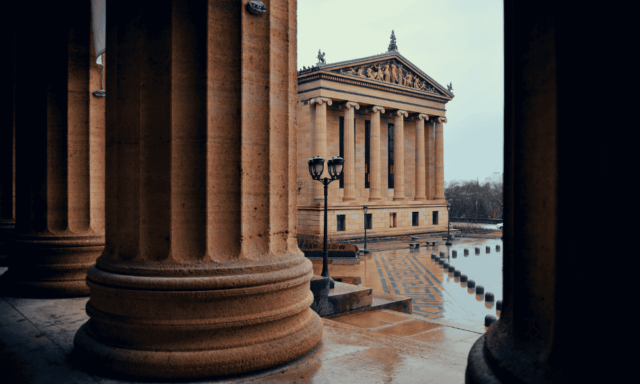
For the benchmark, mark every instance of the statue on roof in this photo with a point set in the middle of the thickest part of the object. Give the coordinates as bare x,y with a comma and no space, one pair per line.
321,57
392,45
450,88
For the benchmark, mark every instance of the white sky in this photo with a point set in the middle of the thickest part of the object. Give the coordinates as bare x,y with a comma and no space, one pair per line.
458,41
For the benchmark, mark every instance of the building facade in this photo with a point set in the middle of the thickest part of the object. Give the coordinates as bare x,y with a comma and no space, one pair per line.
385,117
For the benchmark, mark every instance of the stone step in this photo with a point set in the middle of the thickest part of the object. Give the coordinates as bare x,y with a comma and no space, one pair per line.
347,299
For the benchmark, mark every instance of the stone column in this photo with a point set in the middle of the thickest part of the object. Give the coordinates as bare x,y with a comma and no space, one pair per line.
7,142
398,147
541,336
431,161
320,143
420,193
374,153
439,155
349,151
60,142
201,274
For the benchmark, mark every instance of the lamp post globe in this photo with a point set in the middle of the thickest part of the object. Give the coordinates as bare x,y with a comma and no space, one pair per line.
316,167
448,224
336,166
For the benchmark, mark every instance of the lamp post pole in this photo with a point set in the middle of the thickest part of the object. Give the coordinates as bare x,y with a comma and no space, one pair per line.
448,224
316,167
365,250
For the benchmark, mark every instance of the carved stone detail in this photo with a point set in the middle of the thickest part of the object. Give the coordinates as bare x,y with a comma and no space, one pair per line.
320,100
350,104
256,7
392,72
441,119
375,108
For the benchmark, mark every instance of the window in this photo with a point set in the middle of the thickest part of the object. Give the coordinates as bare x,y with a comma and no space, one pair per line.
368,221
367,152
435,217
414,218
392,220
340,223
391,160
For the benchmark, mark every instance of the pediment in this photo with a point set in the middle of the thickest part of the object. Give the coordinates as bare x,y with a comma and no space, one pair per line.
390,69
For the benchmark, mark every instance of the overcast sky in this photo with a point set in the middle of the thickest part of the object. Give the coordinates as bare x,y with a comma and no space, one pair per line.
458,41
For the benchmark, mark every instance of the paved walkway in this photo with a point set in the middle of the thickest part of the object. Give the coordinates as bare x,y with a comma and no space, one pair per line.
436,293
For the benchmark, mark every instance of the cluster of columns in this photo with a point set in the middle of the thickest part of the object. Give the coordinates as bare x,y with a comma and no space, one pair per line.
193,268
429,175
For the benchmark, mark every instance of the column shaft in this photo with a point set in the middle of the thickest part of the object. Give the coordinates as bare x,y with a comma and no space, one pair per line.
349,152
420,159
7,141
398,147
59,154
201,274
320,143
439,155
431,162
374,153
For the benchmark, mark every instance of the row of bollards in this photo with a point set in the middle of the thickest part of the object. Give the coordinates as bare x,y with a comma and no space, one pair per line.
479,290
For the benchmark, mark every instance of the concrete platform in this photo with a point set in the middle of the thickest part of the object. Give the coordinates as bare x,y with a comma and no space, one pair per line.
377,346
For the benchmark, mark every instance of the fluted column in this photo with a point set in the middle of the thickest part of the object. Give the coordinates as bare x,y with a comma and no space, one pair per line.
420,193
201,274
398,148
320,142
439,155
431,161
59,153
7,140
349,151
374,153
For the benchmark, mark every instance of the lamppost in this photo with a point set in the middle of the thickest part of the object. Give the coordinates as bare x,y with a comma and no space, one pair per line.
365,251
449,224
316,167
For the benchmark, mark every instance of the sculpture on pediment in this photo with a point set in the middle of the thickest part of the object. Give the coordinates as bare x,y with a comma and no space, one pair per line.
387,73
394,73
360,72
370,73
380,72
350,71
407,80
416,82
400,75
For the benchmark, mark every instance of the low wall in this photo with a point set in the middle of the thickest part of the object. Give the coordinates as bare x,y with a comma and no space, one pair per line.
473,220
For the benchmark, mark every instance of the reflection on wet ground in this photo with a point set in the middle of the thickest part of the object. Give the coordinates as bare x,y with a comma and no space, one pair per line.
437,294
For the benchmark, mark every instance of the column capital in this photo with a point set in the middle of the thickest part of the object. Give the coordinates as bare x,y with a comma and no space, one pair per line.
349,104
441,119
320,100
375,108
401,113
419,116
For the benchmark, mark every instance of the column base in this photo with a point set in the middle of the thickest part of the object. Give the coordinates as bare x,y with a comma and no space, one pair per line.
197,327
47,267
399,198
375,198
478,370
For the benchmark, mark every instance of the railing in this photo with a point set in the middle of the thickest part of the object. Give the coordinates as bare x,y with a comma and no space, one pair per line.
474,220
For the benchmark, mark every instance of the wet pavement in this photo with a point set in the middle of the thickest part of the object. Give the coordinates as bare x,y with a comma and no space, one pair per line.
437,294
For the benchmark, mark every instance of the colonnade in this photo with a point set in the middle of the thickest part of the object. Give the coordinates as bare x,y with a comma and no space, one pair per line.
429,155
193,268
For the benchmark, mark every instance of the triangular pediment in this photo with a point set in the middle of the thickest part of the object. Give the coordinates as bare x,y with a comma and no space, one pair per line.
391,68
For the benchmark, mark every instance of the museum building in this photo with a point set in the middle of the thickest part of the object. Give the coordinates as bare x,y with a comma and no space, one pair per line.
384,116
